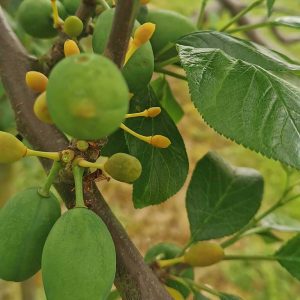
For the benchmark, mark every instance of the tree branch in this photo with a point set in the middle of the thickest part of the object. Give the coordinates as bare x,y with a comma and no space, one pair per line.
84,12
134,278
117,45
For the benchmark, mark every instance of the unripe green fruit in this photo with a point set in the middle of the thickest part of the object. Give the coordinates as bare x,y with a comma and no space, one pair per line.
87,96
204,254
123,167
25,222
11,149
71,5
35,16
79,259
170,26
73,26
139,69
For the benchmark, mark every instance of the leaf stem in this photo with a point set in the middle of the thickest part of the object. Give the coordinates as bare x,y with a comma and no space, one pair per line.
280,202
193,285
200,20
45,190
170,73
249,257
241,14
167,62
165,49
78,175
251,27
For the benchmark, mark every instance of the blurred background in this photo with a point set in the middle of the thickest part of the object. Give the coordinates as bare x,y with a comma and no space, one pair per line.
168,222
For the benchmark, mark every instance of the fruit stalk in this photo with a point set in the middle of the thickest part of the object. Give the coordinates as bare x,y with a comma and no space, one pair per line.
50,155
44,191
78,176
104,4
170,262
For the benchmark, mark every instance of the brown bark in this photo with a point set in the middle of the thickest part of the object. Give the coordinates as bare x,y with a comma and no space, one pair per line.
134,278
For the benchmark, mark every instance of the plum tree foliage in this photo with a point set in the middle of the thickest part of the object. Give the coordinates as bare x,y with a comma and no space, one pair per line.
119,122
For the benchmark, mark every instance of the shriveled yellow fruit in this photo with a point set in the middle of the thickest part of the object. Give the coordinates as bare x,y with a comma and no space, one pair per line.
71,48
123,167
160,141
37,81
174,293
40,109
144,33
204,254
73,26
11,149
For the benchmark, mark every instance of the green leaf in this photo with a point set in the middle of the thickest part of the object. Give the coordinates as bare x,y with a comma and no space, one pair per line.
224,296
164,170
269,237
270,4
221,199
116,143
240,49
288,21
167,99
199,296
281,222
245,103
289,256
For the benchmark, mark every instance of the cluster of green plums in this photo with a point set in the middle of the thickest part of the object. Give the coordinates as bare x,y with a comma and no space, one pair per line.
87,98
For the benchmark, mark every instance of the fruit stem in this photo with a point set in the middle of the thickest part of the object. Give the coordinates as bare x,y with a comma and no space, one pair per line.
56,19
165,49
86,164
143,138
104,4
78,175
45,190
201,17
50,155
170,262
147,113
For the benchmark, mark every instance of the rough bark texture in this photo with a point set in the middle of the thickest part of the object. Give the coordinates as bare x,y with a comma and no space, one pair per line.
134,278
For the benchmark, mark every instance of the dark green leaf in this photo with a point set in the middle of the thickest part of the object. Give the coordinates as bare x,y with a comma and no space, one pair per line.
245,103
240,49
164,170
289,21
224,296
281,222
289,256
269,237
270,4
116,143
198,296
166,98
221,199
